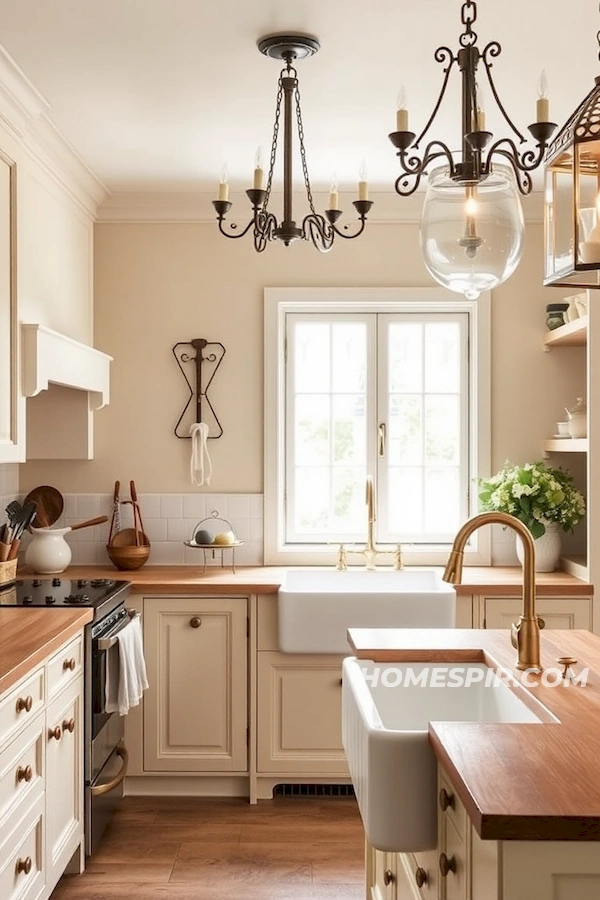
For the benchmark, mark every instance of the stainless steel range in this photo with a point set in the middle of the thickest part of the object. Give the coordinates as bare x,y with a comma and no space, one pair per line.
105,763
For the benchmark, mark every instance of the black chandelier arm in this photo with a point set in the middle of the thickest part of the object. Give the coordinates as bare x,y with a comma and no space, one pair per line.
520,169
232,227
441,55
265,224
492,51
320,232
414,167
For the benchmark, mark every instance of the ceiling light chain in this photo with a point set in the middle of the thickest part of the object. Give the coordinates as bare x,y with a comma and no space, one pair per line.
320,229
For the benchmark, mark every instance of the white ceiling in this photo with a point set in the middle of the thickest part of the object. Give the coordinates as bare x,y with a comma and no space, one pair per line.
158,94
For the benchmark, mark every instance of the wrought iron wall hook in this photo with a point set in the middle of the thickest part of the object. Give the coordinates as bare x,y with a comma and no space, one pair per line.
205,362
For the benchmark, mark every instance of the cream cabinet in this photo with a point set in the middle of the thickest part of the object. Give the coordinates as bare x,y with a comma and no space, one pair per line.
466,868
299,715
64,779
557,612
195,710
41,778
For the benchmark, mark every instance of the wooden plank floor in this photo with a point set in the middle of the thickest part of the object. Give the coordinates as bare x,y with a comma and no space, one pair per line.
187,848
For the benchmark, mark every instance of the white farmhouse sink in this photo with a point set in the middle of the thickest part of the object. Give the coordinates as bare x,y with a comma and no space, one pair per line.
316,608
385,736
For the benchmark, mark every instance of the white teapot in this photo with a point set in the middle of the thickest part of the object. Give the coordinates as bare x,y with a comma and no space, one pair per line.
577,418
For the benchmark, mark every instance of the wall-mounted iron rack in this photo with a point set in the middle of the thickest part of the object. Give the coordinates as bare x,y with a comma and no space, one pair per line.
202,365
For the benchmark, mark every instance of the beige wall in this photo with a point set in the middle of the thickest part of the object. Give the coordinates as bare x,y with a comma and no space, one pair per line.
159,284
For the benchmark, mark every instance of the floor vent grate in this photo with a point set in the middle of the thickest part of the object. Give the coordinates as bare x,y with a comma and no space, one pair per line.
313,790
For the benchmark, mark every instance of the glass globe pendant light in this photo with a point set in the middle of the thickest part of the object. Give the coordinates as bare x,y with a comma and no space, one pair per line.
471,233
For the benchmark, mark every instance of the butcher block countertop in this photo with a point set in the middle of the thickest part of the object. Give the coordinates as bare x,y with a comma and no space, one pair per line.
497,581
517,781
28,636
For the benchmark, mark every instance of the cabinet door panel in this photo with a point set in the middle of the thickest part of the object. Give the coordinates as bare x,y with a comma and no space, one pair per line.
64,780
299,714
195,708
557,612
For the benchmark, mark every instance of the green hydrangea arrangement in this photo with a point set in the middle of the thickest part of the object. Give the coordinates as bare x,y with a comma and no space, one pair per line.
533,493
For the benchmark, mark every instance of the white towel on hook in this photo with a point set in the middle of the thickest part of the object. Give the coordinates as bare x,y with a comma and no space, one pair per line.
125,670
200,464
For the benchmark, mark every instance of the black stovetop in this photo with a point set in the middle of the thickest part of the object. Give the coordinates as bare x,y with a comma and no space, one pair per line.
103,594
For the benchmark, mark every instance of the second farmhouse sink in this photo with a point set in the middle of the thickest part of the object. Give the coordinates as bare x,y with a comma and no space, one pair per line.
385,735
316,607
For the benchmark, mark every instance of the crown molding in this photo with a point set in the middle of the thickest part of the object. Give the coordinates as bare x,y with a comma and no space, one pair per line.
26,113
195,206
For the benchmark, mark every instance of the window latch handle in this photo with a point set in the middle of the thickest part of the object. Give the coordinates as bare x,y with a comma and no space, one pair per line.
382,438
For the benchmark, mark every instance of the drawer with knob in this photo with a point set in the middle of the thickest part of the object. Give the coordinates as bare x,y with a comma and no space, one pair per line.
452,866
65,665
21,861
21,704
450,806
422,873
21,772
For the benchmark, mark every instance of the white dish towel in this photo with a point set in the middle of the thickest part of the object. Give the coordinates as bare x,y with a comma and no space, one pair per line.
200,464
125,669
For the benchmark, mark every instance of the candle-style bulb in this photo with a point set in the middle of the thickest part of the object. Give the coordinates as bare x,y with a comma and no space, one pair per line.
543,104
401,110
333,194
257,181
479,110
223,186
363,187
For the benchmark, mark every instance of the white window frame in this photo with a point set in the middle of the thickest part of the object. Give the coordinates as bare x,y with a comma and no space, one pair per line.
278,303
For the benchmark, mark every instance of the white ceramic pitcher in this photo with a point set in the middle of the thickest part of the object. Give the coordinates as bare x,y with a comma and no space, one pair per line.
48,552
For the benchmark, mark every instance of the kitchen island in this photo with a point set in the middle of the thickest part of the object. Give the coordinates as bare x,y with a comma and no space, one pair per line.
519,815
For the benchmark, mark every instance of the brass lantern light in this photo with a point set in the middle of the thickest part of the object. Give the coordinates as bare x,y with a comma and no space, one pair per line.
572,198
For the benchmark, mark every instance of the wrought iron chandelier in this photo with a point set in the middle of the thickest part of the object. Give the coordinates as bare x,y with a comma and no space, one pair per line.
472,223
320,229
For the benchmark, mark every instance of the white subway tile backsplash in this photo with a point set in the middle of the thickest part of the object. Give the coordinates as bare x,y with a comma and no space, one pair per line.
171,506
168,520
150,505
194,506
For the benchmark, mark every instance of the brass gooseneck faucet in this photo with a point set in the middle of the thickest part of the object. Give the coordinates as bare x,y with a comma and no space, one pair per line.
525,635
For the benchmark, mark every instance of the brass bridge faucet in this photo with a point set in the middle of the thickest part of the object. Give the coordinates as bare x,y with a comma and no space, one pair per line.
370,551
525,635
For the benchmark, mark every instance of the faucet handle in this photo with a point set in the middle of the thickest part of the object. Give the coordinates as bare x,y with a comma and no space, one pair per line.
566,662
342,564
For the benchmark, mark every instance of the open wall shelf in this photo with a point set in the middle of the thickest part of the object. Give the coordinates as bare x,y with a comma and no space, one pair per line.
573,334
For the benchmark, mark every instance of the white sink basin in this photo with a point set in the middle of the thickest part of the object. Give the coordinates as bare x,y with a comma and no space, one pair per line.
384,733
316,608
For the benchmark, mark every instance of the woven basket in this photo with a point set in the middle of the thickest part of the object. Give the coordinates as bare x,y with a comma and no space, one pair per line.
8,571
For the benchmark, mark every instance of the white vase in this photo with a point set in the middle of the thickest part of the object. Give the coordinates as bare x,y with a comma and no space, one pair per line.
547,548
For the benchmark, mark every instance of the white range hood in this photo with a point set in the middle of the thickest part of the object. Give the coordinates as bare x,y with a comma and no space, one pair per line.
64,381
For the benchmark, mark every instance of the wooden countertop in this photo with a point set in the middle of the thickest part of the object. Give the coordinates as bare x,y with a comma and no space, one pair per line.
496,581
28,636
517,782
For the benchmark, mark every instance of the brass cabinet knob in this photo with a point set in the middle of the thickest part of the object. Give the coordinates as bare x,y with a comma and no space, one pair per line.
566,662
420,876
69,725
447,865
24,703
388,877
54,733
24,773
446,799
24,865
541,622
196,622
69,664
340,682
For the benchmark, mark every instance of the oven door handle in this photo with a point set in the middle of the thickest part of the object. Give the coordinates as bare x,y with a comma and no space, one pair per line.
101,789
105,643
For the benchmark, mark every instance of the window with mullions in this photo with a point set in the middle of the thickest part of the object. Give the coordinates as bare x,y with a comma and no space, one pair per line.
390,384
